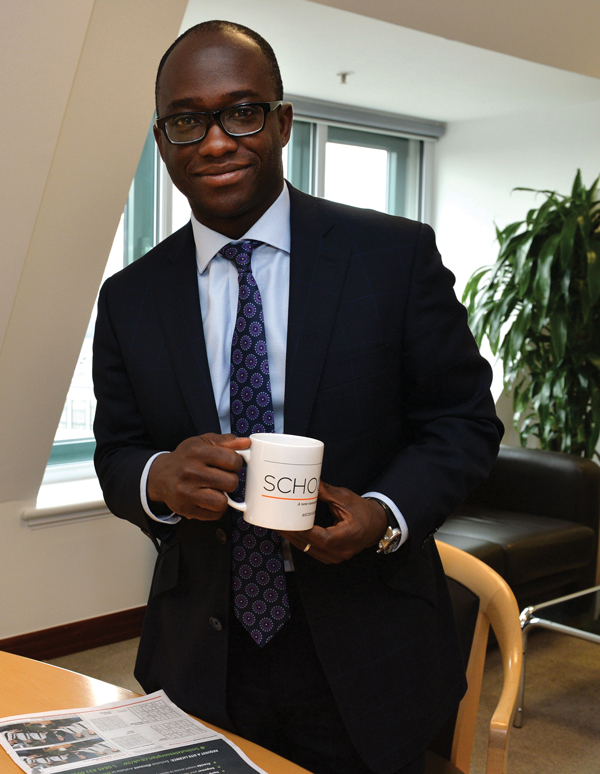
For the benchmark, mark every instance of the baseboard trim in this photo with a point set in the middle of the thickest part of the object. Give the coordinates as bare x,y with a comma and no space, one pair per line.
79,635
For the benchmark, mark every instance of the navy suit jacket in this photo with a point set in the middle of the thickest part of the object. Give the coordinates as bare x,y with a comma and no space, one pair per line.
382,368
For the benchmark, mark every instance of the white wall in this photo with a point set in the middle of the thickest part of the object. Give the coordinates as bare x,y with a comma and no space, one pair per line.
478,163
70,72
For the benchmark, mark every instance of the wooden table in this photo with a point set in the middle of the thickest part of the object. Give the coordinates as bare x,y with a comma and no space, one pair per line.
28,686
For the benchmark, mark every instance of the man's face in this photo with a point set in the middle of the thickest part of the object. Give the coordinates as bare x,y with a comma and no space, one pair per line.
229,181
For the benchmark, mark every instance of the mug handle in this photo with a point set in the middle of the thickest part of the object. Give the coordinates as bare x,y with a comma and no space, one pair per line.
245,454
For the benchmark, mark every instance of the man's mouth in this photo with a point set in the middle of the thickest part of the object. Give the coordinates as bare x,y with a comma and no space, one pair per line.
223,175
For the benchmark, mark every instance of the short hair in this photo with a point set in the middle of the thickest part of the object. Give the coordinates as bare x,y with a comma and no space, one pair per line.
217,25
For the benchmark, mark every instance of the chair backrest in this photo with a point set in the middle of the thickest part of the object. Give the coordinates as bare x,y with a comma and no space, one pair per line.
498,608
542,483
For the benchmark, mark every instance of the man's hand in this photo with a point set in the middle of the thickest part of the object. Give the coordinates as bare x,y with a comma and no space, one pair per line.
191,480
359,524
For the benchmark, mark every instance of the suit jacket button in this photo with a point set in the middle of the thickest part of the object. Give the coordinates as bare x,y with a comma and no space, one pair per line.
216,624
221,536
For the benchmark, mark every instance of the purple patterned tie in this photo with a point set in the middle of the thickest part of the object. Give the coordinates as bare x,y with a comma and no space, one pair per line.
260,593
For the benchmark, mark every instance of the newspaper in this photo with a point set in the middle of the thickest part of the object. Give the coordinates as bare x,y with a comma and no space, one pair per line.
147,735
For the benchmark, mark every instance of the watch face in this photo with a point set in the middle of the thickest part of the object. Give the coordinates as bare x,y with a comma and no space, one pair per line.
392,546
390,542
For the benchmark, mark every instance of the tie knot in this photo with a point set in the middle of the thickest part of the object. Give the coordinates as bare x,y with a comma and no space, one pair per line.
240,253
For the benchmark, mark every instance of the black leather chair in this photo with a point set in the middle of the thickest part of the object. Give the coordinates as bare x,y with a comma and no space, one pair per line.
535,521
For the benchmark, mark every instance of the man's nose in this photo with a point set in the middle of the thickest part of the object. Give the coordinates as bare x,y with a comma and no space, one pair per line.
216,142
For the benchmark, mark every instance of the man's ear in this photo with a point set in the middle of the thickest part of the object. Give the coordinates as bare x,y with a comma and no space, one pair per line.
286,118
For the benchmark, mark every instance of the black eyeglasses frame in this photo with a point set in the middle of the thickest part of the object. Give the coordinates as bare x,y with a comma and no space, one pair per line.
215,115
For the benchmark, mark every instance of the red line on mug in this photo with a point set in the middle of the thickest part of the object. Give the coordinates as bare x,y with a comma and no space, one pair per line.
300,499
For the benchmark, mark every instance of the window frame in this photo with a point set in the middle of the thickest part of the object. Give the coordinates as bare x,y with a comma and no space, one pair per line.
322,115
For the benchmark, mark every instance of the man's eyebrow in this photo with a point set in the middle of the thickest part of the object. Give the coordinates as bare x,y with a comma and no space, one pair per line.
247,93
189,103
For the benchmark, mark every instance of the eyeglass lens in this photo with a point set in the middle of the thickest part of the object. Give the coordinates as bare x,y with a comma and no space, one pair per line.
238,120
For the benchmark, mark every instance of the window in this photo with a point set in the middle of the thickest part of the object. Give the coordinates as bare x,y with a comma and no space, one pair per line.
353,156
136,234
357,167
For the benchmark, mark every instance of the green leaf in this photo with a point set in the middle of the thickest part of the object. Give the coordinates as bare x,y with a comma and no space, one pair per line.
525,278
472,286
577,189
479,319
521,254
565,282
541,284
558,335
500,314
583,381
508,232
567,241
593,275
541,217
584,300
516,336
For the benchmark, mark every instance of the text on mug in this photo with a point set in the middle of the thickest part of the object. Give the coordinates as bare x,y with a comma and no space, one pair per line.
287,485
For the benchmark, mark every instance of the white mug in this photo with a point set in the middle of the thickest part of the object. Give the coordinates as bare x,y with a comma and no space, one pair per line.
282,481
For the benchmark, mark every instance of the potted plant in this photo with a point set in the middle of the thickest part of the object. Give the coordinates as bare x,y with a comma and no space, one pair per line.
539,307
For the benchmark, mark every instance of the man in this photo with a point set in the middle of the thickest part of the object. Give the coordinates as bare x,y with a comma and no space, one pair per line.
369,351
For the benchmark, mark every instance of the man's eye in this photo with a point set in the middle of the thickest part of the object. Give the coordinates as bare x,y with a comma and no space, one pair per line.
244,112
185,121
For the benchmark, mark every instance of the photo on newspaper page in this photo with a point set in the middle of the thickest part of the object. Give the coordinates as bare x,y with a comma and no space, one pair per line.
147,735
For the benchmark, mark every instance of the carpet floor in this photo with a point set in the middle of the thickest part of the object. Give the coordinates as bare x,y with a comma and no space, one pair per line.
561,727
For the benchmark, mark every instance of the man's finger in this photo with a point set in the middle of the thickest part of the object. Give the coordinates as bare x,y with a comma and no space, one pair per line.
298,539
329,493
309,541
319,541
203,514
229,440
221,456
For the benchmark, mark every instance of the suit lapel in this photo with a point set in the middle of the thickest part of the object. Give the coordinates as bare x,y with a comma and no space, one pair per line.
318,265
176,291
317,272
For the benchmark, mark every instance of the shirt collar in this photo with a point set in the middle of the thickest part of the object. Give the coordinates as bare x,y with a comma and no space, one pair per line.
273,228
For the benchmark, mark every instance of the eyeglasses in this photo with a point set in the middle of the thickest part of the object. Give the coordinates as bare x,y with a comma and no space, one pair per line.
236,121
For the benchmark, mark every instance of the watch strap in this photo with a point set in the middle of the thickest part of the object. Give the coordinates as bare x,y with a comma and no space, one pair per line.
389,513
390,541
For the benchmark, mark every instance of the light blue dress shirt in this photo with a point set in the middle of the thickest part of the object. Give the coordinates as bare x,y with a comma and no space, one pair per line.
218,288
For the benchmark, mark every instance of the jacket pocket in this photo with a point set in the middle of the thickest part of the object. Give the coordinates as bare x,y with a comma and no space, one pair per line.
415,577
166,569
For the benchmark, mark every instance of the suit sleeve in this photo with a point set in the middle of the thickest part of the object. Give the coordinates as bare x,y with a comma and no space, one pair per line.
123,446
448,409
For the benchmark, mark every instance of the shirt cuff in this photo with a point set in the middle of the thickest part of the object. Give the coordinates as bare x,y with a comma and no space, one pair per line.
173,518
395,510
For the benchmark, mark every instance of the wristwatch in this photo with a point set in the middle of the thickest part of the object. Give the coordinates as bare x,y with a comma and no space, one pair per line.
390,542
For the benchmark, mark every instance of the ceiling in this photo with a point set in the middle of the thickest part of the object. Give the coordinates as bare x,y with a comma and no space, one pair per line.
394,68
559,33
